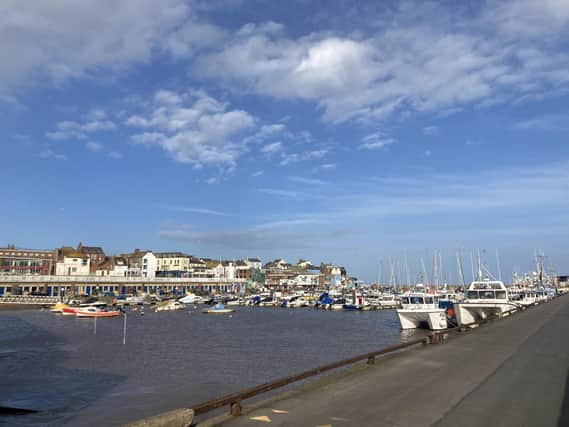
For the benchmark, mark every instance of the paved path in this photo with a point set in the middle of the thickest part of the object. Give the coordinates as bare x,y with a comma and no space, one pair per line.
512,372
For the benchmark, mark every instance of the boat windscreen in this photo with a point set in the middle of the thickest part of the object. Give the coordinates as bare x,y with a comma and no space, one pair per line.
501,295
472,295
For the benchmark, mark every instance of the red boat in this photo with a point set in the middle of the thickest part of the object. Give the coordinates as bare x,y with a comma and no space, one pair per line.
69,311
95,312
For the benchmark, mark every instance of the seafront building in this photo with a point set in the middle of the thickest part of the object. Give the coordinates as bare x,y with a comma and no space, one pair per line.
86,269
27,261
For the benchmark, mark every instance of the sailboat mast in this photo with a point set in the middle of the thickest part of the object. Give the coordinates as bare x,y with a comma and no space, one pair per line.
459,266
499,267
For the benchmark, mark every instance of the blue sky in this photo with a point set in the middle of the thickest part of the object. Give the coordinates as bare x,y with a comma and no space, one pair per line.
321,130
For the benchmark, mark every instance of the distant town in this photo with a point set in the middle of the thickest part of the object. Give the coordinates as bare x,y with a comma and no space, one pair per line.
92,261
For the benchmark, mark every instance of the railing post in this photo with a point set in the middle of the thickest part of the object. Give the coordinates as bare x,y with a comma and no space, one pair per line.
235,408
371,360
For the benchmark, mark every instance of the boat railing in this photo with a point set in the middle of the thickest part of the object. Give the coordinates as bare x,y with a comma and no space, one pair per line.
234,400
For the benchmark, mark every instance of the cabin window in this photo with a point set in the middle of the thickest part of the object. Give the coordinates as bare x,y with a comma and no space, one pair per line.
501,294
416,300
472,295
405,300
487,294
428,300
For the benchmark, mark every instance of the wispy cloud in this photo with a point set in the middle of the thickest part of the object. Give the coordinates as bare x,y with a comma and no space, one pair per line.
280,193
199,211
271,148
375,141
246,239
307,181
548,122
95,147
79,130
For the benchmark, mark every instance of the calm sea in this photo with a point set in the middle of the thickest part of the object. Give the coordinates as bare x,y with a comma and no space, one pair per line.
78,375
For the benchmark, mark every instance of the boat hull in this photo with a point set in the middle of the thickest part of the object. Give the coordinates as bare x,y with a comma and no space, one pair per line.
470,313
219,311
433,319
83,314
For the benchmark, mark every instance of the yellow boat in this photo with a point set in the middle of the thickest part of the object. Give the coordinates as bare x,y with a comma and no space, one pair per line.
58,308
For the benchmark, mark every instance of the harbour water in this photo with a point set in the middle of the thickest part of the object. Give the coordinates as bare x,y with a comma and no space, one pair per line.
76,374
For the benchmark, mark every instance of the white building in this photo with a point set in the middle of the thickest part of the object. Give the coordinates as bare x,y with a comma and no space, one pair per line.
149,265
254,263
113,267
71,263
224,270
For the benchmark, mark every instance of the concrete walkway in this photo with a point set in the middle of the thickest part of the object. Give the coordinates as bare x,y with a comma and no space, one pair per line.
511,372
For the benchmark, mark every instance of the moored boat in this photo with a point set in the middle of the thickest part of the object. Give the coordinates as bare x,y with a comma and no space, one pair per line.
96,312
421,310
484,299
58,308
218,309
69,311
170,306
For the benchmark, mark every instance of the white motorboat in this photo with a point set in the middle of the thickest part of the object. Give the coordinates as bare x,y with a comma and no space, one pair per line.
188,299
421,310
170,306
484,299
218,309
386,301
297,301
135,299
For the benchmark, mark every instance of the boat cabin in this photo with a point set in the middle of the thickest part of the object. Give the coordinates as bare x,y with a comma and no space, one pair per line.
487,290
419,300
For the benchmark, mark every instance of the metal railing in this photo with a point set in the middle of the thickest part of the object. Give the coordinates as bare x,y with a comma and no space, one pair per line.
234,400
113,279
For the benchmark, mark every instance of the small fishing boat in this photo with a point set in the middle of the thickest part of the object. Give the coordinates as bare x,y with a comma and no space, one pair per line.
218,309
96,312
170,306
70,311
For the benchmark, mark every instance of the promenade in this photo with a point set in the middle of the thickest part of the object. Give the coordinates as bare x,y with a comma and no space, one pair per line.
511,372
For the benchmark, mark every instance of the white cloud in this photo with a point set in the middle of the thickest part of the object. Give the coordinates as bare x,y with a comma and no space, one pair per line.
95,147
280,193
375,141
307,181
272,148
302,156
194,128
200,211
258,173
62,39
547,122
375,76
115,155
76,130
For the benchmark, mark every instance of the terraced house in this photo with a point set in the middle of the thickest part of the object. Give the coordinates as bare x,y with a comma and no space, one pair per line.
172,264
